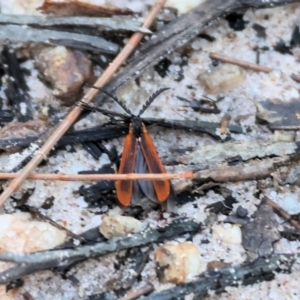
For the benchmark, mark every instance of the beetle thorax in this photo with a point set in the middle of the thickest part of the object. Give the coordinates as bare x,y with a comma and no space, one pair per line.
136,126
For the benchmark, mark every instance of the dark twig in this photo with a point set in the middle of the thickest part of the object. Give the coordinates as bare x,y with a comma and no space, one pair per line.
43,260
39,216
46,21
17,89
262,269
108,132
18,34
282,213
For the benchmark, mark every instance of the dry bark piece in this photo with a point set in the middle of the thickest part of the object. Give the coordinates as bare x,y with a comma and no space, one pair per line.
119,226
65,70
282,213
224,123
222,78
130,266
85,24
25,34
80,8
279,114
215,155
178,263
259,235
16,90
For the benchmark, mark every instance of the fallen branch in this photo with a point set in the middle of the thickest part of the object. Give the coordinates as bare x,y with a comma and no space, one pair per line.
44,260
262,269
59,131
253,170
215,155
25,34
100,24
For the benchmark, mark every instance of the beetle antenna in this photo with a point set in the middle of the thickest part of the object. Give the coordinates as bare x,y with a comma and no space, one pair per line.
151,99
117,100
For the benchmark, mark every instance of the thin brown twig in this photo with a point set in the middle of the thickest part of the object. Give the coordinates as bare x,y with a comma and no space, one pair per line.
282,213
144,290
99,177
238,62
75,112
247,65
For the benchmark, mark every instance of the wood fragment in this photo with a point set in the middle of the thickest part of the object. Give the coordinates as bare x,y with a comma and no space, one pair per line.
26,295
282,213
16,34
142,291
279,115
59,131
6,116
262,269
130,270
224,123
247,65
253,170
220,154
48,21
17,89
259,234
43,260
77,7
241,63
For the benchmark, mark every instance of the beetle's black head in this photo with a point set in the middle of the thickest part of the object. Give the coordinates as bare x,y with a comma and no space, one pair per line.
136,126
